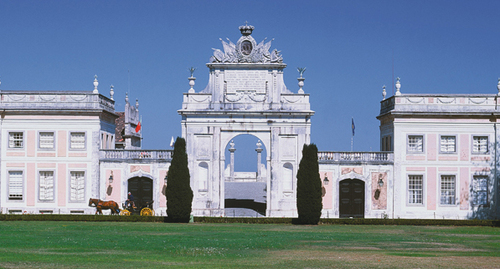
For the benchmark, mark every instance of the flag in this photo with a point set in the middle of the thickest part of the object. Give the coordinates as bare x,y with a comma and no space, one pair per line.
138,128
172,142
352,126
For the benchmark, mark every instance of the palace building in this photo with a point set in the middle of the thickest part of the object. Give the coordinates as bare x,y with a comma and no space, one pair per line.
438,153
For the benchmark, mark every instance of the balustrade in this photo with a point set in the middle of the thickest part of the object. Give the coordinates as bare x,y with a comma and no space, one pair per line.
375,157
136,154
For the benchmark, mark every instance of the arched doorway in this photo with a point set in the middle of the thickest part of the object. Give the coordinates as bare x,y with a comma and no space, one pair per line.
142,190
351,198
245,183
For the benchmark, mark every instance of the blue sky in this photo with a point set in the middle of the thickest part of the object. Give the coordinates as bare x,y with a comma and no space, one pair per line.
350,49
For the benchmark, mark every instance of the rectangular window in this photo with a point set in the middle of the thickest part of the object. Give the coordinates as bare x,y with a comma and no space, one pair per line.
16,140
480,144
46,140
415,189
77,186
15,185
448,144
77,140
415,143
46,191
448,190
479,195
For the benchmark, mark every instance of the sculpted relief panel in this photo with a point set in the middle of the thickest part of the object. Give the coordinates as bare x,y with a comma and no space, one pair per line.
288,147
204,148
246,80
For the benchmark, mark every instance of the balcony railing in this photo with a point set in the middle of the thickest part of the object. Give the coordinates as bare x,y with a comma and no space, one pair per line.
355,157
139,154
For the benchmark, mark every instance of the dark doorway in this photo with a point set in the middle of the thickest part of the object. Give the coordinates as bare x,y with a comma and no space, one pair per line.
142,190
352,198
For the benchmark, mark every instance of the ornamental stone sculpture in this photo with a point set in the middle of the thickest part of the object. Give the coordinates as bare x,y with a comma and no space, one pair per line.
398,87
246,50
96,83
191,80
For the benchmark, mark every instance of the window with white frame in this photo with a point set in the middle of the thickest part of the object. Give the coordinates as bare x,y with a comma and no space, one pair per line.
448,189
480,144
479,195
46,191
77,140
15,185
448,144
77,186
46,140
16,140
415,143
415,189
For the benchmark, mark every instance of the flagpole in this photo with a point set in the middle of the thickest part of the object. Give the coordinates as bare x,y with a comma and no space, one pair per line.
352,135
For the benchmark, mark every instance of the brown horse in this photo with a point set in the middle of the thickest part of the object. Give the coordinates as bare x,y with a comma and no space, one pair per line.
99,204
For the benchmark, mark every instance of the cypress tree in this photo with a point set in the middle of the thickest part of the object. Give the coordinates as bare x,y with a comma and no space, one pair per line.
179,193
309,200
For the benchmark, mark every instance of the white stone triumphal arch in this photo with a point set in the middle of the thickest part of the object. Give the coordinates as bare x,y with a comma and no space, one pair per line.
245,94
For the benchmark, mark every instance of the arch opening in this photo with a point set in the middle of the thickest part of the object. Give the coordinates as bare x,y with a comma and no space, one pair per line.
245,177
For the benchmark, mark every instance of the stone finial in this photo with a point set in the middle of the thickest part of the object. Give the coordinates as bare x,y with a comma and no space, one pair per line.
0,82
301,70
246,29
384,93
301,81
111,92
231,146
498,86
137,104
259,147
126,98
191,80
398,86
96,83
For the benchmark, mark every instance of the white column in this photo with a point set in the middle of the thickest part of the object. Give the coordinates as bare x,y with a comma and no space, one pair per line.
259,156
231,166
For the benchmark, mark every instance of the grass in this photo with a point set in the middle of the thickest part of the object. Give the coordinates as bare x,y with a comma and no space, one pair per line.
46,244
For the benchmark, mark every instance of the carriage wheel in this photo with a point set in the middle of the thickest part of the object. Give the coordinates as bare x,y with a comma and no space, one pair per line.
147,212
125,212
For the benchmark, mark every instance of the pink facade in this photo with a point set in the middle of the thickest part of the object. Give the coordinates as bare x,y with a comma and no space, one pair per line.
113,190
328,193
431,147
431,189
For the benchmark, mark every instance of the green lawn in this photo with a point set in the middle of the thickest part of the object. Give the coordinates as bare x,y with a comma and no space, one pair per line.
39,244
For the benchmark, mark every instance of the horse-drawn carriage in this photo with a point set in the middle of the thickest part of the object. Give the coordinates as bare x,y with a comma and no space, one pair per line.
144,209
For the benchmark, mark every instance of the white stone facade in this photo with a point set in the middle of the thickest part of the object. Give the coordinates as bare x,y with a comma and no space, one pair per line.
438,158
245,94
